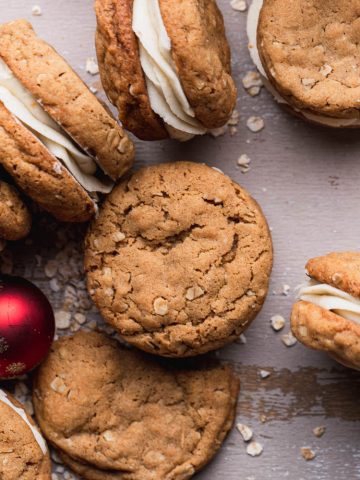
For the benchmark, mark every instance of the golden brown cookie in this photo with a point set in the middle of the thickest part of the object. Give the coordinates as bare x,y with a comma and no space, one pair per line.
201,58
110,408
23,451
65,97
15,219
178,260
308,51
329,320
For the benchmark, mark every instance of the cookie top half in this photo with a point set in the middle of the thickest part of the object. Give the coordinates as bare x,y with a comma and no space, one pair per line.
310,51
200,53
23,451
179,259
110,408
15,218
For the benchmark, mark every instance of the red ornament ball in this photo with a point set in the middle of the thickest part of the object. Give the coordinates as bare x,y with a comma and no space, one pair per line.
27,326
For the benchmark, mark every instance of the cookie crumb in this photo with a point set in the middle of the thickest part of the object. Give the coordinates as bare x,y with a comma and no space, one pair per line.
36,11
286,290
252,83
244,163
161,306
91,66
93,90
277,323
319,431
255,124
307,454
254,449
245,432
62,319
239,5
264,374
243,339
218,132
288,339
194,292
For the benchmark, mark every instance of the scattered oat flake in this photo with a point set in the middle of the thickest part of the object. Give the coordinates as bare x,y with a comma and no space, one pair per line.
252,79
234,119
62,319
242,339
264,374
93,90
286,290
288,339
243,160
239,5
36,10
91,66
245,432
254,449
218,132
263,418
255,124
319,431
307,454
277,323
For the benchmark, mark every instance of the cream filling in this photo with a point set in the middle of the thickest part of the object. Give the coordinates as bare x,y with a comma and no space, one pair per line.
29,112
167,97
252,26
332,299
38,437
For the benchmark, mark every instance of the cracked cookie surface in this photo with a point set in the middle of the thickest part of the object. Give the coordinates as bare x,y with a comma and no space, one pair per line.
311,55
21,458
178,260
15,219
122,414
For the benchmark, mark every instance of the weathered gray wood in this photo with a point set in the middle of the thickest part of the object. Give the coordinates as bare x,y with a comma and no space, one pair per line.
307,181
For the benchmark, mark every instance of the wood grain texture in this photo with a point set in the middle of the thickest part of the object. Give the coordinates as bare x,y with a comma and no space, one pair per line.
307,181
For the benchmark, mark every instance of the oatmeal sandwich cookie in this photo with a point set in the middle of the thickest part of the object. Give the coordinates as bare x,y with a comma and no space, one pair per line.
307,53
116,413
57,140
15,219
165,65
23,451
178,260
327,315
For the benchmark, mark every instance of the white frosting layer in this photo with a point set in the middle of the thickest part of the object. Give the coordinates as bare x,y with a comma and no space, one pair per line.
332,299
28,111
167,97
38,437
252,26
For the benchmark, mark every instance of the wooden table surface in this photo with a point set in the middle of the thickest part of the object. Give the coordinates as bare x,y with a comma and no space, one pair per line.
307,181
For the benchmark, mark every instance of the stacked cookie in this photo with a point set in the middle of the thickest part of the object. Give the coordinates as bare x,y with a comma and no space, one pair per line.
23,451
15,219
307,55
57,141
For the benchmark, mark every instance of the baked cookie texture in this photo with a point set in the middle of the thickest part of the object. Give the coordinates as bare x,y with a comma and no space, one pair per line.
15,218
322,329
21,456
39,174
310,52
178,260
122,414
200,51
65,97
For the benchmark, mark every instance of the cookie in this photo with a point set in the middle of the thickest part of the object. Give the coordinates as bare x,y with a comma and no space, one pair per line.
164,83
178,260
57,139
15,219
23,451
327,317
306,52
124,415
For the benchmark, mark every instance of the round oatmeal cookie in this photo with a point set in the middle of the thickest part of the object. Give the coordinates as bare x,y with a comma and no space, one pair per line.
120,414
178,260
309,50
199,50
15,219
333,331
23,451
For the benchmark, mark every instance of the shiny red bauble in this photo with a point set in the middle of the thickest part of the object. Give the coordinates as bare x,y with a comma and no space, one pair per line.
27,326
